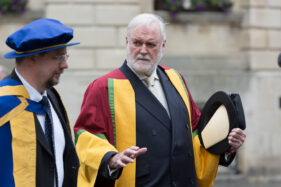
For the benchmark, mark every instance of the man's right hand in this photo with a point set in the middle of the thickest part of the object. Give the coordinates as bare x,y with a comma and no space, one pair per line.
120,160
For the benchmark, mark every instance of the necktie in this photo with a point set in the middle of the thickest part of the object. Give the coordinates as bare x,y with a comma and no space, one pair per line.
49,130
150,86
48,122
157,93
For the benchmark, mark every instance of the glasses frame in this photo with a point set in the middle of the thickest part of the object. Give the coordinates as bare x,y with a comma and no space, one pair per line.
61,58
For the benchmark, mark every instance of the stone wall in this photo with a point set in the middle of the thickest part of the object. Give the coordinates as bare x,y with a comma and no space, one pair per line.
262,36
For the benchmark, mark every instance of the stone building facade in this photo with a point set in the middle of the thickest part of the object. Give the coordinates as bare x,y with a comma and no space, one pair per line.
235,52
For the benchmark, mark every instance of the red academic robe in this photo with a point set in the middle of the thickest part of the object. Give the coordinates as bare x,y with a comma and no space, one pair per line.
95,115
96,124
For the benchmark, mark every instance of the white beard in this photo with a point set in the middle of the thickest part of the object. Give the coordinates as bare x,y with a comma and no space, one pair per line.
143,67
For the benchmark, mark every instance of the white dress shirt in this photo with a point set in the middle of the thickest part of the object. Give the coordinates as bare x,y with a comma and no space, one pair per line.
155,82
59,140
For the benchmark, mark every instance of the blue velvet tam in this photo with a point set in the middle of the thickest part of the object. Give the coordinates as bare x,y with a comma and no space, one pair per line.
39,36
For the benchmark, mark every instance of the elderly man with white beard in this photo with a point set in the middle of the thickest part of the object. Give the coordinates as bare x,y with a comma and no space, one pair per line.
135,126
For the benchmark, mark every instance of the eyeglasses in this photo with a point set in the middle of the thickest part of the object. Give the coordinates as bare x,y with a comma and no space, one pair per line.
61,58
139,43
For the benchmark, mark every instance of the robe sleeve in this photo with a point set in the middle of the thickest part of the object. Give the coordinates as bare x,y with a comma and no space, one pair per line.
95,116
225,159
93,132
206,164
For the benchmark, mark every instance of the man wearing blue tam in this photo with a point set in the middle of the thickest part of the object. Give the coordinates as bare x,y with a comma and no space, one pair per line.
35,139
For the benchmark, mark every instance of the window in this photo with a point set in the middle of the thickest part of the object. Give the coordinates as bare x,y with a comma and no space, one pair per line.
176,6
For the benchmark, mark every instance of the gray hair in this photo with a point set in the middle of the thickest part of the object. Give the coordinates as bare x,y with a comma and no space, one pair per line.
147,19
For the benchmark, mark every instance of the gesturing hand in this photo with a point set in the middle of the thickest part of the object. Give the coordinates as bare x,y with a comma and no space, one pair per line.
127,156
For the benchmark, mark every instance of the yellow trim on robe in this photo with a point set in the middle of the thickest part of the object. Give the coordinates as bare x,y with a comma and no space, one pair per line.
90,150
178,84
15,111
24,149
14,90
125,118
23,137
206,164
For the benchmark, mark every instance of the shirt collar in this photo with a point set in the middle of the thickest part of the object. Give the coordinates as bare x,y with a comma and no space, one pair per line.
33,93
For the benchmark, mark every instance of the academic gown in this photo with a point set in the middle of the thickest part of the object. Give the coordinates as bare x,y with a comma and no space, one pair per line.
118,111
26,158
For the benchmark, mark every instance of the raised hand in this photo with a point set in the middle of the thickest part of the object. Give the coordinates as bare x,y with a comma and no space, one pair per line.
127,156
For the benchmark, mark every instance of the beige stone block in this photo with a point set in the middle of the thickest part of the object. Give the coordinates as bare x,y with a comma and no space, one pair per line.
57,1
263,60
96,36
268,18
253,3
257,3
236,7
122,36
255,38
105,1
94,1
71,13
274,39
81,58
72,87
131,1
244,3
192,39
36,4
274,3
5,31
115,14
110,58
147,5
102,1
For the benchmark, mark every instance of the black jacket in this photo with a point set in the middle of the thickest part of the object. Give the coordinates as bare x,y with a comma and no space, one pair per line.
45,163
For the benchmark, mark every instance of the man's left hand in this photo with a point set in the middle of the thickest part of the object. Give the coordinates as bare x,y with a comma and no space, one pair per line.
236,139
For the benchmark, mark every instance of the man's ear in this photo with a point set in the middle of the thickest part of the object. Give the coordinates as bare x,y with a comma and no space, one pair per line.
34,59
127,40
164,44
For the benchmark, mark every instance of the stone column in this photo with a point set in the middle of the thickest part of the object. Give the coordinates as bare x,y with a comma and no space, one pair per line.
262,43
